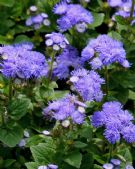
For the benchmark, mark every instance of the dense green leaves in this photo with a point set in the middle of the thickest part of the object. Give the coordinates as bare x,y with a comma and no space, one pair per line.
11,135
8,3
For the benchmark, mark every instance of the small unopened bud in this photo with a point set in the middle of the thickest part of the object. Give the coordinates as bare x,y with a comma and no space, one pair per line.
22,143
44,15
56,47
49,42
43,167
126,8
4,56
74,79
45,132
26,134
66,123
81,109
111,24
46,22
33,8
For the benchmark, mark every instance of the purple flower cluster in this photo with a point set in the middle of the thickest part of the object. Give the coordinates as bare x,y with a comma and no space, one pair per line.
67,107
116,122
124,7
114,164
87,84
72,15
19,61
68,59
56,40
36,20
104,51
120,3
49,166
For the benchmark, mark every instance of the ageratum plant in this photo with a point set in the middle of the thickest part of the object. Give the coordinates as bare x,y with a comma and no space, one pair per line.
67,84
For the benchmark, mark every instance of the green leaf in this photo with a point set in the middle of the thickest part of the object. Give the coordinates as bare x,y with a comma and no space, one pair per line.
8,3
22,38
59,94
11,136
131,95
79,144
86,132
8,162
19,107
97,166
36,139
74,159
121,20
98,19
31,165
115,35
44,152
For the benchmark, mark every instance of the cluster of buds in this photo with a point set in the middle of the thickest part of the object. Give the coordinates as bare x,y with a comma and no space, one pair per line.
56,40
37,19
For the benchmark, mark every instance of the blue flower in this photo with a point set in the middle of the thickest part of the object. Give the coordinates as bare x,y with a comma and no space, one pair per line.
65,108
71,15
52,166
87,84
19,61
108,166
116,122
112,135
69,58
115,162
104,51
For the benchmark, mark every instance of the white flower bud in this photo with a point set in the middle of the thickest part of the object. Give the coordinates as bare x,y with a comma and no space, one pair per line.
56,47
81,109
66,123
43,167
45,132
74,79
26,134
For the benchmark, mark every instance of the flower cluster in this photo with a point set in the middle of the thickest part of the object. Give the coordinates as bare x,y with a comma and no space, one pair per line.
120,3
87,84
114,164
36,20
56,40
67,107
116,122
124,7
19,61
72,15
104,51
68,59
49,166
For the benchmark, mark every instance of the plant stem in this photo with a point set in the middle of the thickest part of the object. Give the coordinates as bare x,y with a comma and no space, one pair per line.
106,80
110,152
10,94
51,67
132,9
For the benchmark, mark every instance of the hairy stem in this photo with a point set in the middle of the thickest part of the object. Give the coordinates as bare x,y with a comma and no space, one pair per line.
51,67
132,9
110,152
10,93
